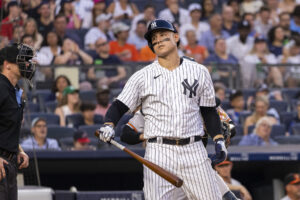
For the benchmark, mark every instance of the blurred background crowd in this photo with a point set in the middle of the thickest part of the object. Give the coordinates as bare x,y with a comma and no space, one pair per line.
87,49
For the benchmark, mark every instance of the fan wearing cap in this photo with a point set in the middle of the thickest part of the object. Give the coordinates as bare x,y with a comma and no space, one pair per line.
195,11
102,96
70,104
99,31
292,186
253,75
39,140
81,141
120,47
16,62
224,170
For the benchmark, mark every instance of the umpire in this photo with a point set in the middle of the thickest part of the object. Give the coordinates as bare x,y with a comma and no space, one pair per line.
15,63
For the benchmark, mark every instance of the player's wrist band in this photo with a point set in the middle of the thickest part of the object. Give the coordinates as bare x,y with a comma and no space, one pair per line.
218,137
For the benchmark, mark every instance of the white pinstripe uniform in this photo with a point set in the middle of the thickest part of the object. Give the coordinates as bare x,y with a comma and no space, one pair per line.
170,102
137,124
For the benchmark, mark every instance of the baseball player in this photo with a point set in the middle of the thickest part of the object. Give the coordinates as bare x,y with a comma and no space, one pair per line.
132,133
170,90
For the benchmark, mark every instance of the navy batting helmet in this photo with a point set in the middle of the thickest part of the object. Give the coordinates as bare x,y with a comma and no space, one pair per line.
158,24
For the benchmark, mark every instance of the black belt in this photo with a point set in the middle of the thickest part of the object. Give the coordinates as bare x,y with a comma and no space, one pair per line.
175,141
7,154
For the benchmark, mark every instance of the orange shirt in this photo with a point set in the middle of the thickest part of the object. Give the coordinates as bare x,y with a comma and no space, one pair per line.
198,52
127,52
146,54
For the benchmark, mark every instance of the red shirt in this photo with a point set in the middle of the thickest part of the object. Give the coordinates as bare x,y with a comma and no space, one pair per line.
7,28
128,51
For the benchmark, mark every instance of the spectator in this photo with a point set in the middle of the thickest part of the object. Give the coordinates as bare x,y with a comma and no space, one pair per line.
60,27
220,91
98,9
81,141
18,33
146,54
274,10
220,56
192,49
234,4
39,140
52,48
284,22
174,13
103,100
296,119
238,105
100,31
261,109
31,29
68,9
208,38
60,83
260,135
87,111
83,9
208,9
120,47
137,37
250,17
229,24
276,40
292,186
3,42
148,15
27,39
291,55
45,21
224,170
200,27
263,22
250,6
30,8
241,44
295,22
12,20
112,76
71,54
122,10
287,5
69,104
258,74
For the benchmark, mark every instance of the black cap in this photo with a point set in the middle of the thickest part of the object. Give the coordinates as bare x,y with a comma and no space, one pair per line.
9,54
235,94
292,178
244,25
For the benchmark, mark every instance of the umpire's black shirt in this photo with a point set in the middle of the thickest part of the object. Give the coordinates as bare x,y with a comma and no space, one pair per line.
11,114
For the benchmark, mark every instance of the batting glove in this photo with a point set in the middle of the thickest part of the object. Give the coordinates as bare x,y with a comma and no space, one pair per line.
106,132
221,151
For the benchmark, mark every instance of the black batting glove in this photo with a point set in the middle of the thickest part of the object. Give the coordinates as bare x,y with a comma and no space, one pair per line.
221,151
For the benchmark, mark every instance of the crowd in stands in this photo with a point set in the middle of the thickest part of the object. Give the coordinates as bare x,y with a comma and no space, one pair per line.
234,39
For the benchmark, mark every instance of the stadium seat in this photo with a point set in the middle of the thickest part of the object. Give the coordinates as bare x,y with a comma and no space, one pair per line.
239,130
289,93
286,119
114,93
251,129
292,139
52,119
296,129
277,130
31,107
74,120
58,132
248,92
67,142
236,140
89,95
90,129
98,119
243,116
280,106
225,105
50,106
42,95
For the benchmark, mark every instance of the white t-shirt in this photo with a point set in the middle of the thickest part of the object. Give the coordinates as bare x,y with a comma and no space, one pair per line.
237,48
137,41
202,27
184,16
45,55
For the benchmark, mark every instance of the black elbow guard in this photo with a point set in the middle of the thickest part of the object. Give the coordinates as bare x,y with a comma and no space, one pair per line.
130,136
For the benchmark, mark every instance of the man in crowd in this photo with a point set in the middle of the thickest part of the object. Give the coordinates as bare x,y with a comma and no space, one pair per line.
292,186
137,37
103,105
45,22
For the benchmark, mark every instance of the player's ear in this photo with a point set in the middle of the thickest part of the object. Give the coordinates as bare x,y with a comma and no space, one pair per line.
176,36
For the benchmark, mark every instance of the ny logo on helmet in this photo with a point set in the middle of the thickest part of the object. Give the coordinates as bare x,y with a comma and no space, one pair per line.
153,25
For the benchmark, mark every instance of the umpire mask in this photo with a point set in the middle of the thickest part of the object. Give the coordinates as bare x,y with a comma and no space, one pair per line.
25,61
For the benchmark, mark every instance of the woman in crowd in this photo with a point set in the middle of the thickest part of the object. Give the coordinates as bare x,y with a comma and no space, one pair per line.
30,27
68,9
276,40
61,82
70,104
208,9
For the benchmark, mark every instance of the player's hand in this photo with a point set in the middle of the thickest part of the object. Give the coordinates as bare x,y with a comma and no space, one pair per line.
221,151
2,168
23,160
106,132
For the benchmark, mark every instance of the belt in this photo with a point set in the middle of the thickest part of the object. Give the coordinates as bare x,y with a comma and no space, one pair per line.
7,154
175,141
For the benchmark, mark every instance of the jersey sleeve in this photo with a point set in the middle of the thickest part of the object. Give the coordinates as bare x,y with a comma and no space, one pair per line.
131,93
207,93
137,122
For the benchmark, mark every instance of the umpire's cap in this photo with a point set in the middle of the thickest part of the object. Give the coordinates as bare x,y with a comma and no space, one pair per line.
159,24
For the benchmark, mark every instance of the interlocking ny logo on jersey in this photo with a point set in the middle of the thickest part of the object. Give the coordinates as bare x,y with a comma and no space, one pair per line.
192,88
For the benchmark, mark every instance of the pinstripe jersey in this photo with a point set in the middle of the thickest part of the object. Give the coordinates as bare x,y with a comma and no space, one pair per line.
170,98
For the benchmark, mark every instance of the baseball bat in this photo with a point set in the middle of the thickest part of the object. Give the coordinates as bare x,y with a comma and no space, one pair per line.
173,179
